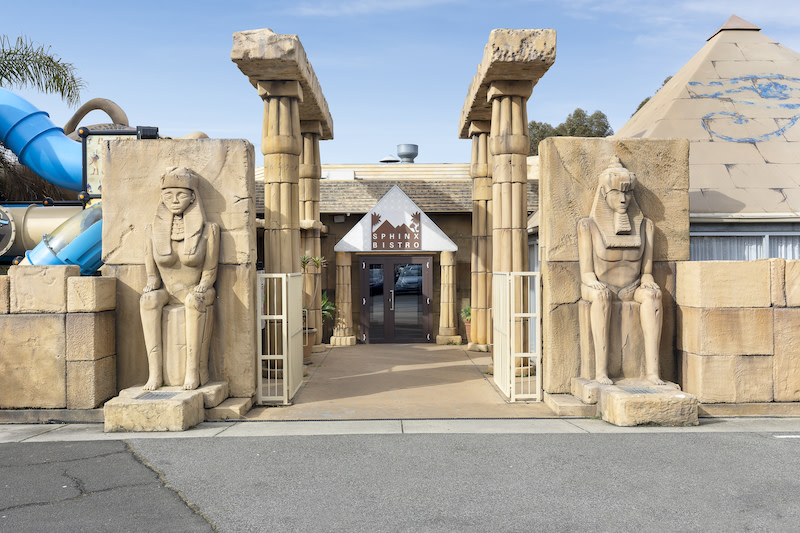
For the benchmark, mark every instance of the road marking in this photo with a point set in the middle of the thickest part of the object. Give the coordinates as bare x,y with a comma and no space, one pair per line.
787,436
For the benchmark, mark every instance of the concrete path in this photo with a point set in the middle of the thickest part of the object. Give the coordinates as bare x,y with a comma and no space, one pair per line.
399,381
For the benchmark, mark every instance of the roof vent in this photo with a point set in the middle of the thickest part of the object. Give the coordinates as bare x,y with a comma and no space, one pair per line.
390,159
407,152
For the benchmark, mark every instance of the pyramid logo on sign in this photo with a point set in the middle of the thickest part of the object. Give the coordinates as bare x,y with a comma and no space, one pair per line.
388,237
395,224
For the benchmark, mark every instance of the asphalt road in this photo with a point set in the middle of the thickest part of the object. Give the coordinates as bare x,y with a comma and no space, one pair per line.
639,481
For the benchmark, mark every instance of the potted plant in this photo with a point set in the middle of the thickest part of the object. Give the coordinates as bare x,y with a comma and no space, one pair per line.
466,317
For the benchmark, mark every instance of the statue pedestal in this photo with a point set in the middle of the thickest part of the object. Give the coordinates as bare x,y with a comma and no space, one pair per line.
167,409
173,334
633,402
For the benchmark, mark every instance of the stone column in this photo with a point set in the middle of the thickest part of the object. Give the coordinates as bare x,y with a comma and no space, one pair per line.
448,325
281,145
481,279
343,330
310,225
509,145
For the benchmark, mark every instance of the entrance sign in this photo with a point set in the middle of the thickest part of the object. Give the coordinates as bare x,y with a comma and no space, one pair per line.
395,224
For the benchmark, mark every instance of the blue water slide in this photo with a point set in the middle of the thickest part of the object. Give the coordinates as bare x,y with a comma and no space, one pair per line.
42,146
38,143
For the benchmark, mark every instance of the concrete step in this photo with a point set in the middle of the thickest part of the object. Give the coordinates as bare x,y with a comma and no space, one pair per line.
230,409
569,405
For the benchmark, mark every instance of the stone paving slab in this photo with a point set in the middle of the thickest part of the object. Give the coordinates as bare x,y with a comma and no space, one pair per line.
490,426
337,427
399,381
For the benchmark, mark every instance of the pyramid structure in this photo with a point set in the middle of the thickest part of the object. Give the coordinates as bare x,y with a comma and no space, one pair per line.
738,102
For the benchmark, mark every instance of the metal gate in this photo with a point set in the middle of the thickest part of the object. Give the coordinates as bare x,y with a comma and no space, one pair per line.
280,337
517,334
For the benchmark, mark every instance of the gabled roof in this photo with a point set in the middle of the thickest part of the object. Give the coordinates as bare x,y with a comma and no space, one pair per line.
738,102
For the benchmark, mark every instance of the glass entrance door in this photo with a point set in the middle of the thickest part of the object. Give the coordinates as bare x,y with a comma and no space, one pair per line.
396,299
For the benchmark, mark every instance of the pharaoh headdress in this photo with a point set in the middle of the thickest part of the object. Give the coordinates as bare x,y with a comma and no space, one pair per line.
193,217
617,230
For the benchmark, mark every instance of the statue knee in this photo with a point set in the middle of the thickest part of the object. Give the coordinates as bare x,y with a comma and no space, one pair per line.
151,301
195,302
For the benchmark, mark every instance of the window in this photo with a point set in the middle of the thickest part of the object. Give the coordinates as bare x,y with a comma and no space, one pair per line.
715,244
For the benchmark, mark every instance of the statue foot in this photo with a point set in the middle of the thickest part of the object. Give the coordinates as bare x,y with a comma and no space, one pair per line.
655,380
152,384
191,383
604,380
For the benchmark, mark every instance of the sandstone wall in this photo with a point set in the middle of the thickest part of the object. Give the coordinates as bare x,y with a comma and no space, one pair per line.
131,191
739,330
56,338
568,172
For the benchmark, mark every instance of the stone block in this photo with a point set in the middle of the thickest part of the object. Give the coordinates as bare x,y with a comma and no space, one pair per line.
508,55
230,409
723,284
777,281
728,378
660,405
560,347
90,383
344,341
786,364
561,281
710,378
793,283
132,411
265,55
33,361
568,405
40,289
91,294
726,331
569,168
586,390
5,295
214,393
91,336
227,189
754,378
130,350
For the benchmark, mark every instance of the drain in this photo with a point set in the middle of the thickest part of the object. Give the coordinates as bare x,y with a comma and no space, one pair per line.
639,390
158,395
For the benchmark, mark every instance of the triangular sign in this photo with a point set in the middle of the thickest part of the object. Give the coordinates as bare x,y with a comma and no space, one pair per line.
396,225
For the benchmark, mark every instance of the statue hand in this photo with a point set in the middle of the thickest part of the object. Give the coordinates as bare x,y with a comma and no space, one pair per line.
597,285
650,285
152,284
200,288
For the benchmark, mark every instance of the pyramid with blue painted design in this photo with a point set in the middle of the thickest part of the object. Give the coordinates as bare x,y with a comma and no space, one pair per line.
738,102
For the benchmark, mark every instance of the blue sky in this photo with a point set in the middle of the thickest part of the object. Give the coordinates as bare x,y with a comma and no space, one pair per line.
392,71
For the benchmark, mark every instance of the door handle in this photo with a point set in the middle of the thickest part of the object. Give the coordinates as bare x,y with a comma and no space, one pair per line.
391,299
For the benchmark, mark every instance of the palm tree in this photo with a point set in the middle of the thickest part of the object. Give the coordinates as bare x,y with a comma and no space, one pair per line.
26,64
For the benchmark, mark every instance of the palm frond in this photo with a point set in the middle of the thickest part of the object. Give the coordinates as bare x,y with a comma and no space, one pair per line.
25,64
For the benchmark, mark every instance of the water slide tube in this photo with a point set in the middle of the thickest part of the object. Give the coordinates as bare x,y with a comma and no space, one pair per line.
42,146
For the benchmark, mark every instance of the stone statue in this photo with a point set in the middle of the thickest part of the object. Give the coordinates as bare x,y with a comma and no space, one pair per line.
615,248
181,261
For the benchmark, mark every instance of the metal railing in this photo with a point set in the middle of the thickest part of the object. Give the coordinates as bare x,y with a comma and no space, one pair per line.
280,337
516,321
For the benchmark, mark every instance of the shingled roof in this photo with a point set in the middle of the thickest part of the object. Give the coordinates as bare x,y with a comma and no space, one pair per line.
432,196
435,188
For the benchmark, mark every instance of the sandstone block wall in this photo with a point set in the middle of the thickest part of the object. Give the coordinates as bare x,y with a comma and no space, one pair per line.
739,330
131,192
568,172
56,344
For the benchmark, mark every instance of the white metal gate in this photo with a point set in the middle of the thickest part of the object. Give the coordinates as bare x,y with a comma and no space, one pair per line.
517,334
280,337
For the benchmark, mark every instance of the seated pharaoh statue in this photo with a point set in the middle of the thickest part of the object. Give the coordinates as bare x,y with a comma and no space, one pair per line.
615,249
181,260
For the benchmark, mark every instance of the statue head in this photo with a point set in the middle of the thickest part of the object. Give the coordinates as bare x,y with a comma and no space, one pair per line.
616,184
178,185
179,198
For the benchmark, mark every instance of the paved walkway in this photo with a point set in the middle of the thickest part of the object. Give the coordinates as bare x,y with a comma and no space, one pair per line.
399,381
